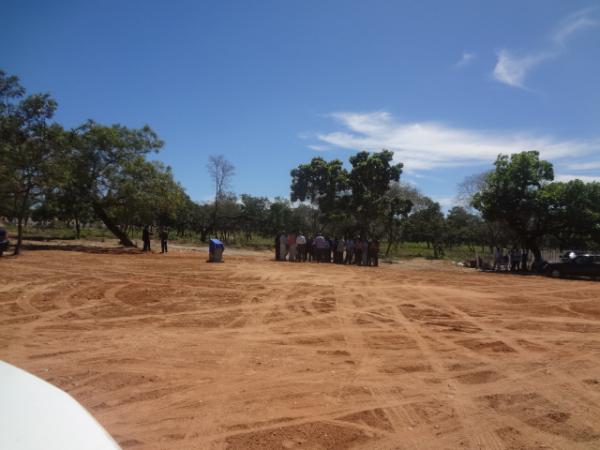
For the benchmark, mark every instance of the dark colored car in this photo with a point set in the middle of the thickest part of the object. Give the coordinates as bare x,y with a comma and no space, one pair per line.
577,265
3,240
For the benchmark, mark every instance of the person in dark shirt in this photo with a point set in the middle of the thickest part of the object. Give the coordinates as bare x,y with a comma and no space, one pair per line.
146,238
524,259
309,249
319,248
373,258
358,251
3,240
164,237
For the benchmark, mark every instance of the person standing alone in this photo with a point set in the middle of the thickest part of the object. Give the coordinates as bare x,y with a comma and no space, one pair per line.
164,237
146,238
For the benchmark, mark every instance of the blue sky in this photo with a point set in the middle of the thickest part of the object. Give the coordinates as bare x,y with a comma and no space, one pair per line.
270,84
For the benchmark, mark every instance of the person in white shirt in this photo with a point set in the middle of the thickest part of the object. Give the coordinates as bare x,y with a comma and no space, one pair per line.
301,247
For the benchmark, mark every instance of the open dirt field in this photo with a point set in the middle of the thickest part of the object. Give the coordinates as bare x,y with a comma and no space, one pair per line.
169,352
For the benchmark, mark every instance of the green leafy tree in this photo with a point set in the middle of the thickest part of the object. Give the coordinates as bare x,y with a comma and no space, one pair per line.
464,228
228,219
145,192
103,159
370,179
396,204
221,171
29,146
513,194
67,198
280,216
324,184
254,214
575,213
201,218
427,224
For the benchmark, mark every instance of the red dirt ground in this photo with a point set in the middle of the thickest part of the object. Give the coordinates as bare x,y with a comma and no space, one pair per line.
169,352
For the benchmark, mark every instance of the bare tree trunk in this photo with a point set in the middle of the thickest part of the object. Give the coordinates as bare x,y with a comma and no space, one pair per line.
389,247
215,213
19,236
20,218
77,228
113,227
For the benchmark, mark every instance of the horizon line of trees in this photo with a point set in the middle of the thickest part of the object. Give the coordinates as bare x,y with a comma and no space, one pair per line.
97,173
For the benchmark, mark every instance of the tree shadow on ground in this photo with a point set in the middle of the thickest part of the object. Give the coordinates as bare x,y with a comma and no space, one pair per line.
48,239
84,249
525,273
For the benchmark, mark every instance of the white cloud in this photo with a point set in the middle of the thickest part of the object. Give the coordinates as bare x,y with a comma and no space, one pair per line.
465,59
569,177
445,202
319,148
591,165
512,69
428,145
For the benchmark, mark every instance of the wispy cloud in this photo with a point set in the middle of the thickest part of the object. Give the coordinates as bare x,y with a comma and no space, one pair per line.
465,59
570,177
428,145
319,148
445,202
577,21
512,68
589,165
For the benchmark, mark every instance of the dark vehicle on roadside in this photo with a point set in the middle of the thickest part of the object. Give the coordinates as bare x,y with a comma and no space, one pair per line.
3,240
575,265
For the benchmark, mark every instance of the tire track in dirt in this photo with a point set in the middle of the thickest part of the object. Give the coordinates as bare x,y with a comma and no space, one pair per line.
479,435
169,352
504,384
355,347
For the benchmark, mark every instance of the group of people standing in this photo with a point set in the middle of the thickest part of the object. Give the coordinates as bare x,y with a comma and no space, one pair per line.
514,260
163,234
296,247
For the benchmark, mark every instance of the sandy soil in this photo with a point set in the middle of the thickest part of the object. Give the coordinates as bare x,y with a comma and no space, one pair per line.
169,352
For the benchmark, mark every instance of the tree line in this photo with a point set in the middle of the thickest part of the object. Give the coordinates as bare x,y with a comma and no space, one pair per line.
96,173
517,203
101,174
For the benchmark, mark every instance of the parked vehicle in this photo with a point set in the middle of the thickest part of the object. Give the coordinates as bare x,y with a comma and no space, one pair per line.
572,264
3,240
